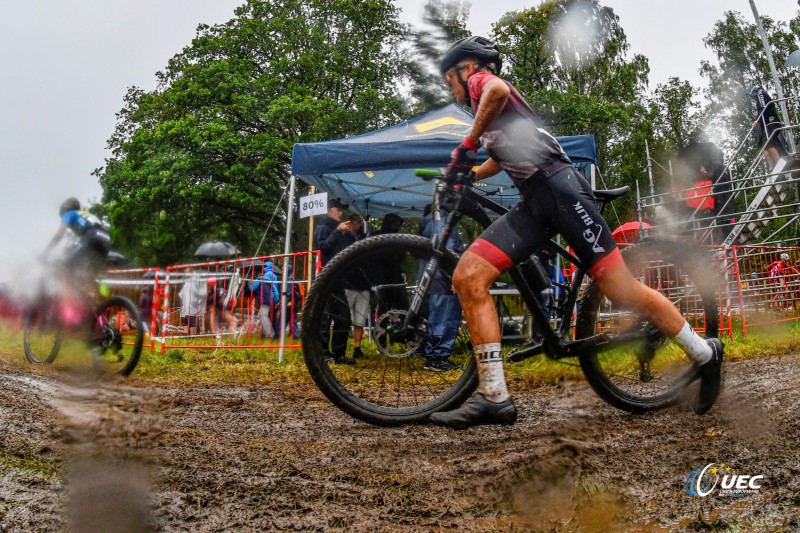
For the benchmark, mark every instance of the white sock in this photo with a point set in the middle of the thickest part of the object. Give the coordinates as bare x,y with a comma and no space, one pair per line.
694,345
491,379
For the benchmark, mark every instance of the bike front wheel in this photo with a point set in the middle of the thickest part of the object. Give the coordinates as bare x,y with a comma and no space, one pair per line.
43,335
117,336
640,369
402,377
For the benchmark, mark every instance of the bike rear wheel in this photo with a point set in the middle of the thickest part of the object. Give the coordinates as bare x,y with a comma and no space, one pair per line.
390,386
43,335
649,371
117,336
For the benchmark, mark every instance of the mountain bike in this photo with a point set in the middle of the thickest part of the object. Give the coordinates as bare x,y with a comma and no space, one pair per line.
626,360
112,329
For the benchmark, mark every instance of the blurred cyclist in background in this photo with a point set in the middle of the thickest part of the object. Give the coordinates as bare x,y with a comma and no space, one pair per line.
88,258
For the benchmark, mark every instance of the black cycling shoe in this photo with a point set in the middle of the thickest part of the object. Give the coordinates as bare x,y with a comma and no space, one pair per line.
357,353
710,378
478,411
441,364
338,359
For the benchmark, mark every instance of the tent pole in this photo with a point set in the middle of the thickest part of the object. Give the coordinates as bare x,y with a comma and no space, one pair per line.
287,247
309,266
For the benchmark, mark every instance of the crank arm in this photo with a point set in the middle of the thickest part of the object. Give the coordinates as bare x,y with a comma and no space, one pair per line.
525,353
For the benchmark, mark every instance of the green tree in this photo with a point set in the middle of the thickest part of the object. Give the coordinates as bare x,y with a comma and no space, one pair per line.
570,59
676,114
740,64
208,153
445,23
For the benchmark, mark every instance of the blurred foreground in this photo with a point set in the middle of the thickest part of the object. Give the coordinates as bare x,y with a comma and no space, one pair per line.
222,456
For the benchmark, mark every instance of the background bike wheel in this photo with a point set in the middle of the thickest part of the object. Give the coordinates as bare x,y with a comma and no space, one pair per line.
117,338
390,385
650,373
42,337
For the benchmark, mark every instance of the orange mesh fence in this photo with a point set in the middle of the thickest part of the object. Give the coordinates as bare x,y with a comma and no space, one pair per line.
767,284
219,304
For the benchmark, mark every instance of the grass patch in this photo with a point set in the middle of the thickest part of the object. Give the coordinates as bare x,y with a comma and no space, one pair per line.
258,365
26,466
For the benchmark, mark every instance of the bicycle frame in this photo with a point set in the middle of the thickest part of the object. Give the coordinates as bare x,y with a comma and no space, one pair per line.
555,343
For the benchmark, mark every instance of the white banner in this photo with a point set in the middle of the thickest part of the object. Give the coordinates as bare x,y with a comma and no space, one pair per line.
314,204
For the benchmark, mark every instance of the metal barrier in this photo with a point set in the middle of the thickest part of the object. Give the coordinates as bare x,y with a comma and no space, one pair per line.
231,304
767,284
219,304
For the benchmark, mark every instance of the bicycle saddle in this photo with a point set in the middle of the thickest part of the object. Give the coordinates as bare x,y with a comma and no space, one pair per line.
609,194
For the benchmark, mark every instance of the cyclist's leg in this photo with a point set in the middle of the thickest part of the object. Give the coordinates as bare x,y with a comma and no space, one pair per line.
510,239
583,227
580,223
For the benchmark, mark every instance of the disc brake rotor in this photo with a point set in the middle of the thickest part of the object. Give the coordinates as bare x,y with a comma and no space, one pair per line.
394,318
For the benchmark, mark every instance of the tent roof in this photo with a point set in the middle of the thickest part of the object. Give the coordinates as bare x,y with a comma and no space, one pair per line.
374,172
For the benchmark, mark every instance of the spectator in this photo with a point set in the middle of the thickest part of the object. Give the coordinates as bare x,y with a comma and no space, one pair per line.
327,239
357,285
193,303
709,197
294,301
265,288
389,271
150,300
768,125
219,307
779,272
444,308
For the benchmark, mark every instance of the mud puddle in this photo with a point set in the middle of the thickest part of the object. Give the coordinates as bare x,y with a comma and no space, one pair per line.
279,456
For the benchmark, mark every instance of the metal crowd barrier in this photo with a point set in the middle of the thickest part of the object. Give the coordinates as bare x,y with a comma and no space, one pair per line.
760,289
212,304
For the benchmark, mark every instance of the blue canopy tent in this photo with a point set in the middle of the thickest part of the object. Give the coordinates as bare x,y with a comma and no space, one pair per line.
374,172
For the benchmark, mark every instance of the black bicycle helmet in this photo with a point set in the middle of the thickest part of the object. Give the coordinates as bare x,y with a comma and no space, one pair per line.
479,48
70,204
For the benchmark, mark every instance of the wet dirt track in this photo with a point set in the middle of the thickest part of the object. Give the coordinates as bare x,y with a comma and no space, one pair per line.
281,457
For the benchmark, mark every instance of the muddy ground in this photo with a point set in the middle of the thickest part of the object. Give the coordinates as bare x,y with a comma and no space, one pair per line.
280,457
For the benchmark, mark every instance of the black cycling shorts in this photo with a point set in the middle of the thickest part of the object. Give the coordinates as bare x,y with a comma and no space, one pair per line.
559,204
92,251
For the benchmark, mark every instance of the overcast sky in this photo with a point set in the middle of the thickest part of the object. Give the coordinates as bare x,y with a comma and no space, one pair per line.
65,67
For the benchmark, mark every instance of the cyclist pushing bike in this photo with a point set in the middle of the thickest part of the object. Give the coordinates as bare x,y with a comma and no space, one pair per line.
555,200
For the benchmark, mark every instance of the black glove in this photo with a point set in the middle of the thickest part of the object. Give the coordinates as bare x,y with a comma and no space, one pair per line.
463,159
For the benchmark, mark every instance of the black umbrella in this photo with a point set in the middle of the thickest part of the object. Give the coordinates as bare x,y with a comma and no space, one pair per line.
252,264
215,249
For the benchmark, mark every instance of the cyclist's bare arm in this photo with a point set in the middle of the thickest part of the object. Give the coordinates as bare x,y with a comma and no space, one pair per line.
62,229
493,100
487,169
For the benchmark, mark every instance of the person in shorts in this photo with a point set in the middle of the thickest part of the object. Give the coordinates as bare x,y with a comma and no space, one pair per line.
356,286
555,200
768,127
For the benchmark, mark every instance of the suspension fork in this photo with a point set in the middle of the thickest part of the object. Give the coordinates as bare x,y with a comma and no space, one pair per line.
439,239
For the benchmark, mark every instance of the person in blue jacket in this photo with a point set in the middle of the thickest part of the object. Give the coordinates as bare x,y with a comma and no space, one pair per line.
89,257
265,287
444,309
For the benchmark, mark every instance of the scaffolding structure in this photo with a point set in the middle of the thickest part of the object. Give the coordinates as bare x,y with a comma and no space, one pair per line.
763,202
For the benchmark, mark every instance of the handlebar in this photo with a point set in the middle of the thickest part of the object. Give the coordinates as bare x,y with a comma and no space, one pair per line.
429,175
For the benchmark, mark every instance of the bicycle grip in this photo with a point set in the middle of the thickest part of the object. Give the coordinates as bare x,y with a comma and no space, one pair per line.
427,173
